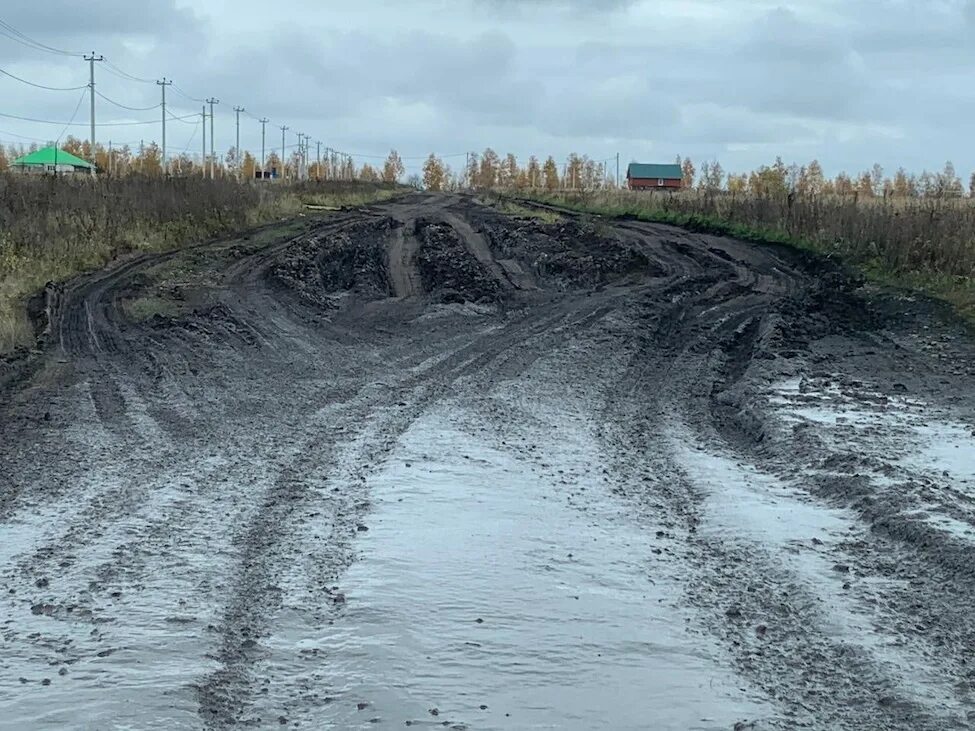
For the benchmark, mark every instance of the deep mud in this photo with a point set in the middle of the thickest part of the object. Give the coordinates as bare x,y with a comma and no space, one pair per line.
426,464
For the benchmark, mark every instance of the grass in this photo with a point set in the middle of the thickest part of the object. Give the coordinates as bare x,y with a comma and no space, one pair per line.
926,246
53,229
512,208
145,308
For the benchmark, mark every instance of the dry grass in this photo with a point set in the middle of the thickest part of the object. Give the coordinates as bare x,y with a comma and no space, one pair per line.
519,211
52,229
924,244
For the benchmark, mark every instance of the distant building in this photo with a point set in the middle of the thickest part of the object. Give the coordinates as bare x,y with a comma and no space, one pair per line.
51,161
654,177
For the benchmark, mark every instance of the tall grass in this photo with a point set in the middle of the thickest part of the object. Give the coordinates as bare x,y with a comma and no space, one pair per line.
52,229
926,244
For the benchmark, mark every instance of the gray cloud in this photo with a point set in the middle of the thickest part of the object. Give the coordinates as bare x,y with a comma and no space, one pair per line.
848,83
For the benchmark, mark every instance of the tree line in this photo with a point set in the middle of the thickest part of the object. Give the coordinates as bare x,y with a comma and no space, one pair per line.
489,170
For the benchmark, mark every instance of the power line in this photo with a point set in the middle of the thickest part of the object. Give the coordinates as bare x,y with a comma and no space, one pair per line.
80,100
112,68
41,86
123,106
15,35
80,124
182,119
188,96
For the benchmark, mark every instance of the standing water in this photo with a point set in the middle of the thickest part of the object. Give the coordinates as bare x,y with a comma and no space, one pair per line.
483,599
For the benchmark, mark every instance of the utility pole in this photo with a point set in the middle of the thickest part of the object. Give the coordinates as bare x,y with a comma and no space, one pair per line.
91,88
617,171
213,158
300,161
237,160
109,160
264,121
318,167
203,159
165,160
283,167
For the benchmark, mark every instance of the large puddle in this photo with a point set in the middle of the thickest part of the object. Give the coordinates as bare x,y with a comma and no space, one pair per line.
483,599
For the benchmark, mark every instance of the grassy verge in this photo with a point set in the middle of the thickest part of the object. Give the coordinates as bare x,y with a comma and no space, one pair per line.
53,229
927,247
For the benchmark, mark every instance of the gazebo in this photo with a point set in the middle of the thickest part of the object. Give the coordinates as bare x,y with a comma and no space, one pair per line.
51,161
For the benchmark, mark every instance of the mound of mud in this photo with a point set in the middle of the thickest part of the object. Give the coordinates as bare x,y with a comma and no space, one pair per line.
569,253
448,269
351,260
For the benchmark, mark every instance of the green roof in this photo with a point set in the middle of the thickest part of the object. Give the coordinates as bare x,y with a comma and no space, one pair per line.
667,172
52,156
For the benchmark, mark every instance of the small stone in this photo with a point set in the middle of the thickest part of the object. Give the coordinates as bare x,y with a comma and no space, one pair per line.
761,630
362,528
47,416
817,542
733,612
62,672
479,620
483,707
46,681
841,568
41,583
361,706
434,711
283,720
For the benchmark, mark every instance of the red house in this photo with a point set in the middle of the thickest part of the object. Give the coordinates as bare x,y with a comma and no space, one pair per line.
649,177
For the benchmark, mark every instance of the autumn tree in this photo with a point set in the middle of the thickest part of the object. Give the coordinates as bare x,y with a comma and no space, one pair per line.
393,168
737,183
971,186
149,160
368,174
688,172
573,171
947,184
712,176
248,166
533,173
902,184
768,180
490,170
433,173
812,179
843,185
550,174
877,180
864,185
471,170
5,161
509,171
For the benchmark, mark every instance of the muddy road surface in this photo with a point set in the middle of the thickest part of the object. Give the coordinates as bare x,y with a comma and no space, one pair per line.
428,464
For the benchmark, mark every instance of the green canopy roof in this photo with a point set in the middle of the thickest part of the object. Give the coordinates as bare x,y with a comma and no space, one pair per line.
52,156
667,172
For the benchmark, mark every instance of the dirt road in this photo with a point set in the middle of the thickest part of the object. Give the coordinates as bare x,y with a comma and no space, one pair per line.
427,464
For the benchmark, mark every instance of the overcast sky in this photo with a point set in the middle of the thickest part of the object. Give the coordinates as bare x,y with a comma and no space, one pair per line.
848,82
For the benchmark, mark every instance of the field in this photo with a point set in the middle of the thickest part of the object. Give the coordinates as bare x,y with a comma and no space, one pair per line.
921,244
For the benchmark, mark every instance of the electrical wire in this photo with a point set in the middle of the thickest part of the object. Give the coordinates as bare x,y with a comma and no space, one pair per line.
75,114
183,119
112,68
82,124
188,96
15,35
41,86
123,106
